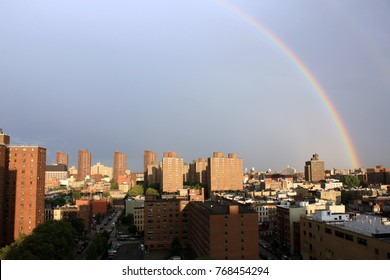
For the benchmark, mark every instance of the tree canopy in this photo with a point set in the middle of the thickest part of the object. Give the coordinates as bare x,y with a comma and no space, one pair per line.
53,240
351,181
136,190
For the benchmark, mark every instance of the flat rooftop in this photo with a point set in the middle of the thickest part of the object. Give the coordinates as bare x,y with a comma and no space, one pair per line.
369,225
223,208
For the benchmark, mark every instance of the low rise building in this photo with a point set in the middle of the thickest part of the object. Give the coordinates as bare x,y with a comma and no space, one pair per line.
337,236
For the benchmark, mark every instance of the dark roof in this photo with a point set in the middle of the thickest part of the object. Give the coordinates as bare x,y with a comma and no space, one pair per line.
223,208
56,168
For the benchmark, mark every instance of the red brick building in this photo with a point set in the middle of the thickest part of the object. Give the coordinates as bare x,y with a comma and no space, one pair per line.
24,197
119,165
223,231
84,164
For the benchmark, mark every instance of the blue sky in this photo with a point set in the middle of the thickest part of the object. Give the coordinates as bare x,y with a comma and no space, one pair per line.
119,74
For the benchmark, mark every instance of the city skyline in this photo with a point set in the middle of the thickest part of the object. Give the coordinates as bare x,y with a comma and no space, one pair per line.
198,77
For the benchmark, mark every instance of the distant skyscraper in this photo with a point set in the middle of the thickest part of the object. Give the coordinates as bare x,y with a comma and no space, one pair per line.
225,173
150,158
314,169
119,165
84,164
25,194
151,169
100,169
62,158
171,173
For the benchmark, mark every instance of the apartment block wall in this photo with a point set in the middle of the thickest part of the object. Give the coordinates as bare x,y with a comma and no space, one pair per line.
62,158
225,173
226,233
164,220
26,189
120,162
84,164
171,173
314,169
3,181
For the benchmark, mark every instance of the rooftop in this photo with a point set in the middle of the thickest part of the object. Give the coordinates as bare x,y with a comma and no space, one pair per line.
223,208
369,225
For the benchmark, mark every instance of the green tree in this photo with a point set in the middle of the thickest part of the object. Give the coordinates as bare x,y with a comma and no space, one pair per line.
128,219
152,191
106,194
136,190
98,246
132,229
78,225
114,185
53,240
351,181
75,194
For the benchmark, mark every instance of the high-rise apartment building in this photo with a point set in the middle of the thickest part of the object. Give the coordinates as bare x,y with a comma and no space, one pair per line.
3,188
150,167
225,173
25,197
62,158
150,158
314,169
201,170
120,162
101,169
84,164
153,175
171,173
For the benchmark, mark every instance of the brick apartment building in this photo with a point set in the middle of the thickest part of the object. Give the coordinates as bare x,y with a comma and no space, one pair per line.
223,232
164,220
84,164
314,169
22,187
62,158
120,163
225,173
151,168
210,228
171,173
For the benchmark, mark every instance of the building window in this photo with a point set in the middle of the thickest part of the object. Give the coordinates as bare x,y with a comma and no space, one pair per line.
362,241
328,231
349,237
339,234
376,251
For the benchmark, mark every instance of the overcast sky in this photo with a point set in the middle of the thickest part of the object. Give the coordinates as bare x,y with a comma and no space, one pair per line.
195,77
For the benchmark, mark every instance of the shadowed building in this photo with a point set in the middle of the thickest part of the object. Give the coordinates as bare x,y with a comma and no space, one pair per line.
62,158
3,190
314,169
150,167
337,236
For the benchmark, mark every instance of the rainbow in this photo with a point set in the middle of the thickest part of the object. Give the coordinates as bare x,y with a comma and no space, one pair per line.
307,76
